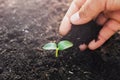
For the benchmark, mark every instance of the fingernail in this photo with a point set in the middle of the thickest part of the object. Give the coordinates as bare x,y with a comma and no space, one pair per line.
65,26
83,47
92,42
92,45
75,17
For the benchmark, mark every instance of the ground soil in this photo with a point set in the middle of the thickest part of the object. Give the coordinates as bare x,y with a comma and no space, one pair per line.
26,25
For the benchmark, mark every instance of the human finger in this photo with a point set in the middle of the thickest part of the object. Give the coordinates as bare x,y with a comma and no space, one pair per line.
110,28
65,25
101,19
88,11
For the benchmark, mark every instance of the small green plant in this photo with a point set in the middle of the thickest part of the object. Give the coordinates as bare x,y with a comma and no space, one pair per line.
62,45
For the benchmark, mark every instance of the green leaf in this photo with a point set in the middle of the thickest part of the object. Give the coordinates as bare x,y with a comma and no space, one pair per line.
50,46
62,45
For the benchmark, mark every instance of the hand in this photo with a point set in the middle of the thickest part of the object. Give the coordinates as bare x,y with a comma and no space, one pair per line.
106,12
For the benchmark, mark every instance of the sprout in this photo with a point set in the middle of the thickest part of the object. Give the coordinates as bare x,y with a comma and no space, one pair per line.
62,45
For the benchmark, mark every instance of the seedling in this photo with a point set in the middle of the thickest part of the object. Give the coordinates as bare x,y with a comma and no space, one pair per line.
62,45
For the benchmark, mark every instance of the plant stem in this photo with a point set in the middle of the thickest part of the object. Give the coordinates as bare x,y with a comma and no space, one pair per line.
56,54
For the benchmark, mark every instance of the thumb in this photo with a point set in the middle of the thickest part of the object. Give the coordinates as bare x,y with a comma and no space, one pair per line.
89,10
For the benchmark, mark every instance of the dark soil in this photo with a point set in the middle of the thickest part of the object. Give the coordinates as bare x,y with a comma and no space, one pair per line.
26,25
83,34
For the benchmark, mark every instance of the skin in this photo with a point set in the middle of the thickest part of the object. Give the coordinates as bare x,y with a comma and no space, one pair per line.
106,13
